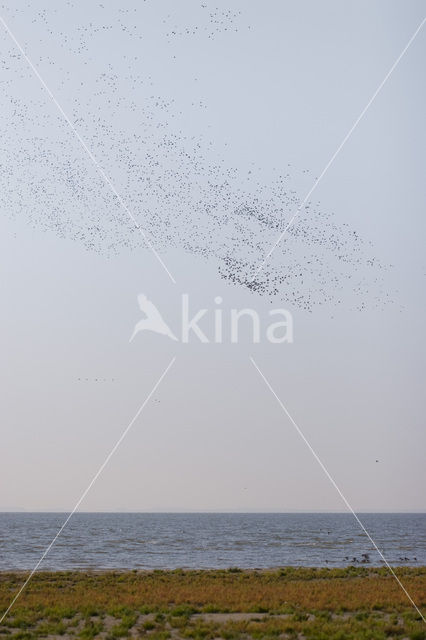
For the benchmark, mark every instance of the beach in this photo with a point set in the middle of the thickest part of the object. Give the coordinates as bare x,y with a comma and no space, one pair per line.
354,602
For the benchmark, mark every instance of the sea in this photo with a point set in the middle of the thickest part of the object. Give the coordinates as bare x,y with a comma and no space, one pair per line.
209,540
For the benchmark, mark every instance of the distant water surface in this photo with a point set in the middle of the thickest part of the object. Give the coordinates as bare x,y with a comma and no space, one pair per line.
170,540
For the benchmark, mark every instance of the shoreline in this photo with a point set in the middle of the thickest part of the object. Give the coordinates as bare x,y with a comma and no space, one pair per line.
361,566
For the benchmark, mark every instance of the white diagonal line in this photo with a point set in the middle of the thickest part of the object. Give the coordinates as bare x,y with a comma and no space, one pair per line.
323,467
340,147
86,491
86,149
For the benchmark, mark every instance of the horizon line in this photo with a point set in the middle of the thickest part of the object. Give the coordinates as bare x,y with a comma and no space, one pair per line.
18,510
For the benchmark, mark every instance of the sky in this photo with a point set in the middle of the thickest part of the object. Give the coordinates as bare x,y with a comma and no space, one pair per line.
272,90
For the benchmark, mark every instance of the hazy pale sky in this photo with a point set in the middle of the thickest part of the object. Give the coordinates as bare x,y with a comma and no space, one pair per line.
259,85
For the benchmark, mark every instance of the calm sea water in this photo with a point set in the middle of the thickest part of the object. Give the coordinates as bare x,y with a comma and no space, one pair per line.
160,541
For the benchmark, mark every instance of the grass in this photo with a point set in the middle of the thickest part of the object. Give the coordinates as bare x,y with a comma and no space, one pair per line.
294,603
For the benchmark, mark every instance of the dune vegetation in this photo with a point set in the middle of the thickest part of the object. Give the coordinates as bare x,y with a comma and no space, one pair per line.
294,603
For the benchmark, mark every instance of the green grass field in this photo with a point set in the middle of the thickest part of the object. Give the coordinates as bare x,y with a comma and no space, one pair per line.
325,604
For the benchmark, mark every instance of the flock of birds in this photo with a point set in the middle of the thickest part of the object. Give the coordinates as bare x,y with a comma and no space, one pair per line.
179,189
365,559
96,379
218,21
